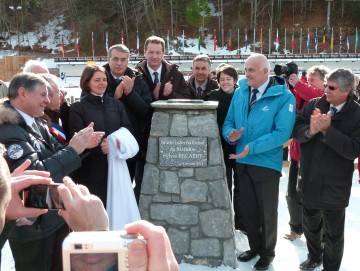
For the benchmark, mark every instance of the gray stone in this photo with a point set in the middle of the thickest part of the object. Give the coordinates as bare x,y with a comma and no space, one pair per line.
216,223
186,172
152,151
193,191
203,125
144,206
215,153
160,124
151,180
169,182
229,253
220,193
180,240
209,173
175,198
179,125
180,214
162,198
206,247
195,232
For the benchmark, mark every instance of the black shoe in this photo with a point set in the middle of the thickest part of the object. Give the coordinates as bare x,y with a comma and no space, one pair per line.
310,264
247,256
262,264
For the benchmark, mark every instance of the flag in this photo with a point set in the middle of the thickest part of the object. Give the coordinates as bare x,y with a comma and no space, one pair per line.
356,39
308,40
214,40
92,44
230,44
183,42
261,41
323,46
245,40
107,41
137,42
168,42
62,46
348,41
199,41
77,46
316,40
122,37
293,40
332,39
340,40
277,40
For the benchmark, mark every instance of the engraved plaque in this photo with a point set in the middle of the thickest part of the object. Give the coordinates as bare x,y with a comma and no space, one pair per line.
183,151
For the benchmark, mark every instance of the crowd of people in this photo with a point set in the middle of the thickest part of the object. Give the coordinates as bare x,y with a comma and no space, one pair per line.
256,116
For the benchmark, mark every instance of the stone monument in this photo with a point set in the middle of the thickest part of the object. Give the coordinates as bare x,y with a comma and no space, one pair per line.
184,187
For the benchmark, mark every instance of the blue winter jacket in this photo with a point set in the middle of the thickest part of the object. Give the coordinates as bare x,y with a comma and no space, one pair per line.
268,125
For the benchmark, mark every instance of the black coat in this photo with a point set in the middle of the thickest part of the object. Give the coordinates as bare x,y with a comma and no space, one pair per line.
210,85
327,161
45,153
224,100
137,103
108,116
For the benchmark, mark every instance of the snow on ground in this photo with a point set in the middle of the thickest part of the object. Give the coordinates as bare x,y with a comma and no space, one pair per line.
288,254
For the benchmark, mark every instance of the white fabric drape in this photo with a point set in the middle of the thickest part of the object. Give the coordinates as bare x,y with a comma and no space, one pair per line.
121,203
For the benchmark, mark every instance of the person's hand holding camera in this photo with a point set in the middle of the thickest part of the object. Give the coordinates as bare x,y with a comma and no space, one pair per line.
155,254
21,179
83,211
294,79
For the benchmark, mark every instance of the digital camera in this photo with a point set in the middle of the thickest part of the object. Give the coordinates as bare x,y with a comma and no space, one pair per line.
286,69
97,251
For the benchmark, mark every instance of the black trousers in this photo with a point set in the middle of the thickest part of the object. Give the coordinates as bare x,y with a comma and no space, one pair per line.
293,199
329,224
40,255
259,198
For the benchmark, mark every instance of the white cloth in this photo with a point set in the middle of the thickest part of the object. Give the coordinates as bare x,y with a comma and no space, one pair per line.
121,203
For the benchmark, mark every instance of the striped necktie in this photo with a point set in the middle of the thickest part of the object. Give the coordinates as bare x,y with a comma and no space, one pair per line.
156,78
253,98
333,110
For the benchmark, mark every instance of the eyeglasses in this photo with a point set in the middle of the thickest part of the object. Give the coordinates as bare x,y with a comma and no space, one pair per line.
330,87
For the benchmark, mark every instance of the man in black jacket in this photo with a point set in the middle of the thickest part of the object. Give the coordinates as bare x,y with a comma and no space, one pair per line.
129,86
200,82
37,245
328,129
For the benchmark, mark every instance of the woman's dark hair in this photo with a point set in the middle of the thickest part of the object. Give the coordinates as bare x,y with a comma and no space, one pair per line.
88,73
228,70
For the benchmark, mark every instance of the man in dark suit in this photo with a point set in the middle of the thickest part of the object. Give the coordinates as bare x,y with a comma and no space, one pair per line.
328,129
128,85
259,121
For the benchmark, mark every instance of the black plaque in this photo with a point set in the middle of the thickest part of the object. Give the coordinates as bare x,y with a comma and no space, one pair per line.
183,151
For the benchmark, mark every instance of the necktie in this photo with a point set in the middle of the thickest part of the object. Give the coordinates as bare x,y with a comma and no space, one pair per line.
198,93
156,77
36,128
333,110
117,80
253,98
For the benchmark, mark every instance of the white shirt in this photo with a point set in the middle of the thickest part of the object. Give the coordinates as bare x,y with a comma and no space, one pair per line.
261,89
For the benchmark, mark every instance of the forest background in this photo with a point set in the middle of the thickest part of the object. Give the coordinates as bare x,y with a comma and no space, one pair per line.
233,21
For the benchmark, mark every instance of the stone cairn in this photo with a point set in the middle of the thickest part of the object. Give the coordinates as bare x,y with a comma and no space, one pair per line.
184,187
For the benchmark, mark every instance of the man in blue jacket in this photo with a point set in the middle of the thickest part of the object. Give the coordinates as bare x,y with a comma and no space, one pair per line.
259,121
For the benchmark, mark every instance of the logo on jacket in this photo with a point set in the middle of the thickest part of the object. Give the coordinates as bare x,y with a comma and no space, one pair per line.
291,108
265,108
38,145
15,151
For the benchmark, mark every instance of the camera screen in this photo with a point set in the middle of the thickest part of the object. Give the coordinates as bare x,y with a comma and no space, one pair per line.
42,196
94,262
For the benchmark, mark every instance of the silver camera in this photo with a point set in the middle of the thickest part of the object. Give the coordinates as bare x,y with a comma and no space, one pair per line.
97,251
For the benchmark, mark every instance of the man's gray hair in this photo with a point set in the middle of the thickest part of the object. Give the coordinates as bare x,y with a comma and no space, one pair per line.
120,48
29,81
204,58
30,64
51,79
320,69
344,77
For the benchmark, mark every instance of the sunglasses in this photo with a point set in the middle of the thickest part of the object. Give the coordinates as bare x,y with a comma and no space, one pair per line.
330,87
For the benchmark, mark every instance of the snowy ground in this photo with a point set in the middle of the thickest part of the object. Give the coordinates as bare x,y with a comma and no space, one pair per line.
288,254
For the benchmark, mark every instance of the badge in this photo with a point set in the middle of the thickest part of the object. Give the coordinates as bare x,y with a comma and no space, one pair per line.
291,108
38,146
15,151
